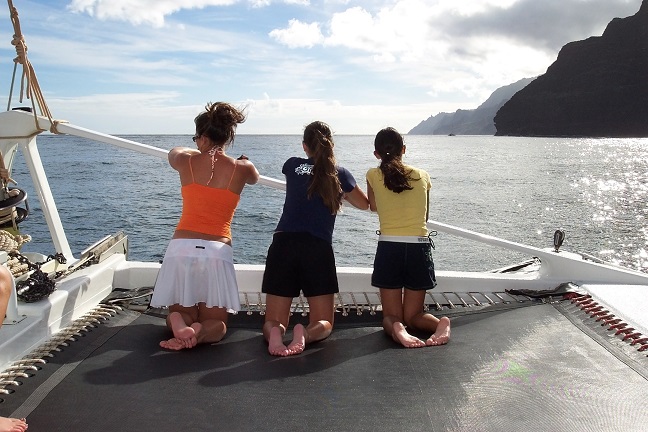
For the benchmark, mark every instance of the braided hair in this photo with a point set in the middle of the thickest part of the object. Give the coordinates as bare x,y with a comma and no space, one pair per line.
325,182
219,122
389,146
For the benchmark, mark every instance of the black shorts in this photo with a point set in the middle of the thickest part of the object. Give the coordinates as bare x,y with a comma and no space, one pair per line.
299,262
403,265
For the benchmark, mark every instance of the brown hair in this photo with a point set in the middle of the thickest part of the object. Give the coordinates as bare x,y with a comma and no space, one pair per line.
325,182
219,122
389,146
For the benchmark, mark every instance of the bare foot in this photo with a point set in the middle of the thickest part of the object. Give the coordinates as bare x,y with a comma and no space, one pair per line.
442,334
276,346
180,329
12,425
401,336
175,344
299,340
178,344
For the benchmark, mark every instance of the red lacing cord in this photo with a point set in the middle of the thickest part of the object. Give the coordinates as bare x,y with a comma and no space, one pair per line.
621,329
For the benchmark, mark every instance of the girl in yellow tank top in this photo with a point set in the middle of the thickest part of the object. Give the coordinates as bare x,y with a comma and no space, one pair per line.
403,265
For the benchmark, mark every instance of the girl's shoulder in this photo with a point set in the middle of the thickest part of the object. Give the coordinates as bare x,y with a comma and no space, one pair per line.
341,169
345,175
418,172
179,157
373,173
295,160
298,165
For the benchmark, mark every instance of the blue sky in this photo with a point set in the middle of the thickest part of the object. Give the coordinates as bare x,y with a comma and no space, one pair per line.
149,66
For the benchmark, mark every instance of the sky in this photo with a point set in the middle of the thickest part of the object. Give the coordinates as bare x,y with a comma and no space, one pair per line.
150,66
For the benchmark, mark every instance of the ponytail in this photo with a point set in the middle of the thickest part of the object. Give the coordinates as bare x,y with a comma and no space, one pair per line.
325,182
389,146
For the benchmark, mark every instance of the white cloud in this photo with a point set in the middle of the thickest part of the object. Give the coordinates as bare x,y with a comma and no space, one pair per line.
260,3
354,28
431,44
265,3
298,35
384,58
401,32
154,12
150,12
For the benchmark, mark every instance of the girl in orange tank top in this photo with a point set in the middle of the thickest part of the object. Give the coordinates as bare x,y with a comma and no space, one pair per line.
197,281
208,210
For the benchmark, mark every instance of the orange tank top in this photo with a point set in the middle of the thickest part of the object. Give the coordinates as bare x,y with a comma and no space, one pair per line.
208,210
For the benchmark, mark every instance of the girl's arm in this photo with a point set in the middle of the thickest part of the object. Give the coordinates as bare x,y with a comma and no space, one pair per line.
372,198
253,173
357,198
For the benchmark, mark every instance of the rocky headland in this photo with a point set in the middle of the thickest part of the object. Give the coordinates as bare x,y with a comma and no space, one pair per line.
478,121
597,87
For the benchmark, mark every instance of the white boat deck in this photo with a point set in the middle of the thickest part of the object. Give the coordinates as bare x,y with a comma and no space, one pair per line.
83,290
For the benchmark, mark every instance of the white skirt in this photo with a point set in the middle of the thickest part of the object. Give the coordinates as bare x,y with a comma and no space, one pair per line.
197,271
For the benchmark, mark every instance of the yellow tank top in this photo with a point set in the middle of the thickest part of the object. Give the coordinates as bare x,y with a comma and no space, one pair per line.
401,214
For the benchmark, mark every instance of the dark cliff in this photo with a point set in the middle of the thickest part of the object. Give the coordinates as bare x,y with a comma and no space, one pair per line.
597,87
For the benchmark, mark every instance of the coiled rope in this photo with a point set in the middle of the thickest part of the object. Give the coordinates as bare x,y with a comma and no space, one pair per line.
10,243
29,86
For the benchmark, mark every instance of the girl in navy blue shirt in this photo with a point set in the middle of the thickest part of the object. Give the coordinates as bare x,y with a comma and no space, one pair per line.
300,258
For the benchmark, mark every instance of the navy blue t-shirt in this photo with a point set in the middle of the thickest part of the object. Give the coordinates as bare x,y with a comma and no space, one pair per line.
301,214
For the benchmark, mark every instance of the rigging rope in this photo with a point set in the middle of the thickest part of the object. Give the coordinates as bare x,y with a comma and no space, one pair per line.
29,86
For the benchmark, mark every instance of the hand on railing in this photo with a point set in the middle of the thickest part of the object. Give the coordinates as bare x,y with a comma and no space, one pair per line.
4,176
4,173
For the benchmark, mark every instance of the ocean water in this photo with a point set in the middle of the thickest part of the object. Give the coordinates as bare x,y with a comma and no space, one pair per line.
518,189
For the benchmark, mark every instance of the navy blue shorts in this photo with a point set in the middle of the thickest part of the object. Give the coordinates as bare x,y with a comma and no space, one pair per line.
299,262
403,265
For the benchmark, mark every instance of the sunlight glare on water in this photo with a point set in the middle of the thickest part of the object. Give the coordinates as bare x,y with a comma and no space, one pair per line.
618,195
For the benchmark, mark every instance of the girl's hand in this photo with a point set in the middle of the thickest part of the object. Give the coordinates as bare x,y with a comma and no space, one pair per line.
4,175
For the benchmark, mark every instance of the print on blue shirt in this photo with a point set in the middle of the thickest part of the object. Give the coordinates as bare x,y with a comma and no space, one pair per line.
304,214
304,169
